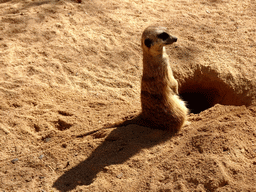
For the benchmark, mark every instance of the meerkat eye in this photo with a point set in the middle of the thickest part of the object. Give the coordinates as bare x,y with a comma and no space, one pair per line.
148,42
163,36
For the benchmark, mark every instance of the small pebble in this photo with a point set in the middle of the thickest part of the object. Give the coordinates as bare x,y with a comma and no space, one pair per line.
58,25
41,156
119,175
14,160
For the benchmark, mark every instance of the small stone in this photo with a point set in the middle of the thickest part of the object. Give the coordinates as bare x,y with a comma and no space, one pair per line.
14,160
119,175
41,156
58,25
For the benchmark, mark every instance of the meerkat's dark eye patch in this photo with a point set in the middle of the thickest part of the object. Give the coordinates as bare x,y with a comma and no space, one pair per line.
148,42
163,36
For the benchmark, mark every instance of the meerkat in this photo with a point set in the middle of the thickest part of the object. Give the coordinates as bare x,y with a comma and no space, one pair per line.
161,105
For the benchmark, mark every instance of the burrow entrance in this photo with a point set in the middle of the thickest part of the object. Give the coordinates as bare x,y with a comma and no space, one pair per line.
198,99
203,90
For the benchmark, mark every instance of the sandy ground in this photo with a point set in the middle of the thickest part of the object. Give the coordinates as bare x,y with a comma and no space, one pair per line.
69,68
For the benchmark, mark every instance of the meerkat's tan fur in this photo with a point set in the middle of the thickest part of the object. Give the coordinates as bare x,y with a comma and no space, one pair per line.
161,105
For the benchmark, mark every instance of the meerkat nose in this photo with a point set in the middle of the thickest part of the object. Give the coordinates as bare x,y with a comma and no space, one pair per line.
171,40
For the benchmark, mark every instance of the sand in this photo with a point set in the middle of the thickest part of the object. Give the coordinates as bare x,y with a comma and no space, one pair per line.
69,68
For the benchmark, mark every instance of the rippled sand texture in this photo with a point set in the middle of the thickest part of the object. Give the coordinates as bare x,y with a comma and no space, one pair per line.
70,68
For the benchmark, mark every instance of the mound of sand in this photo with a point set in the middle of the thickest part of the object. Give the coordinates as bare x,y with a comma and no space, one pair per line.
68,68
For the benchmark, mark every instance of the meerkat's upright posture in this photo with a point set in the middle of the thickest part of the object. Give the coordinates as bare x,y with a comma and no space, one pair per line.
161,106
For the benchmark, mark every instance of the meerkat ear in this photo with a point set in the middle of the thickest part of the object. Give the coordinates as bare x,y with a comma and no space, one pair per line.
148,42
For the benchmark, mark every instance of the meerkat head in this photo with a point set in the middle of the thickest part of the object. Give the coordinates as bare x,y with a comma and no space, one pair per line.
154,38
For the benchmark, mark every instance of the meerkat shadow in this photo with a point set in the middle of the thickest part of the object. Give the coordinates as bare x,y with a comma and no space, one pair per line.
121,144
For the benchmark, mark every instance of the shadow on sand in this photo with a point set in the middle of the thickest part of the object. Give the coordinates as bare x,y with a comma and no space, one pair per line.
120,145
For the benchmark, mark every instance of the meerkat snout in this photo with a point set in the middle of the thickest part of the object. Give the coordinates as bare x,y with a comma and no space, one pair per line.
168,39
